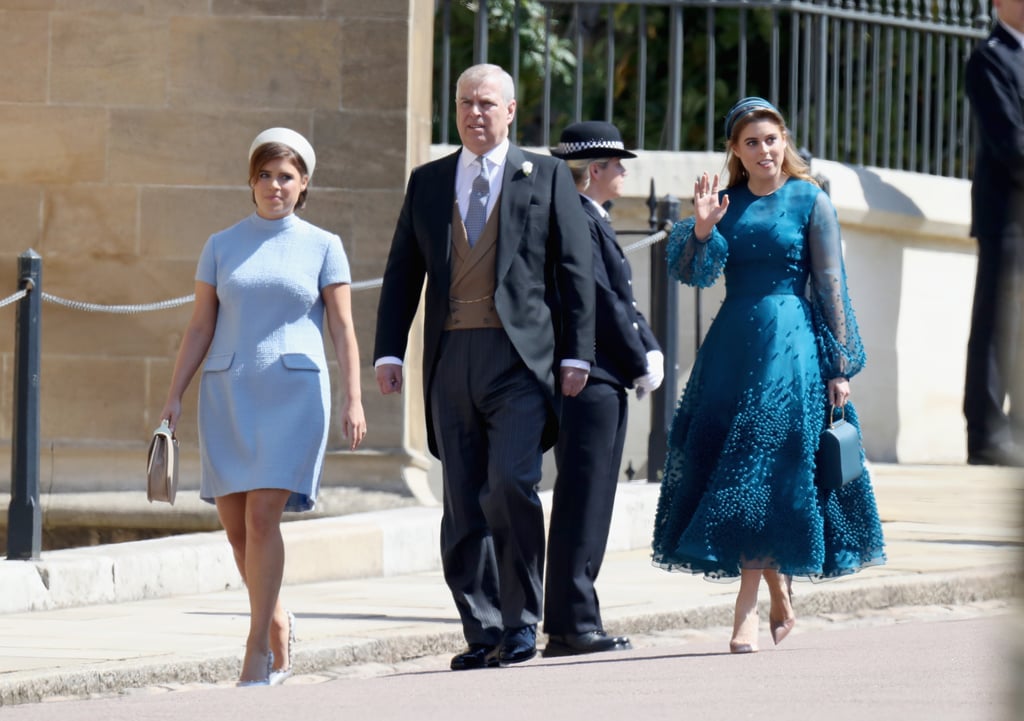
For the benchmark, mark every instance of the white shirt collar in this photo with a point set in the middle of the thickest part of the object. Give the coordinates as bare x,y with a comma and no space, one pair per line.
496,155
1015,33
600,208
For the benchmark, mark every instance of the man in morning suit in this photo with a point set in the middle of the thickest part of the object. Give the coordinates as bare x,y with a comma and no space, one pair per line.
592,424
501,240
995,86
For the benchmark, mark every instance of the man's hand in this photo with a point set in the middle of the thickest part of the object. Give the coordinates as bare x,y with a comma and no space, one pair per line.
389,378
573,380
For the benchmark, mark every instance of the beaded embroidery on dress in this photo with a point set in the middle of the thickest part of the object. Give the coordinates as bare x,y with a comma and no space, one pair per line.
738,488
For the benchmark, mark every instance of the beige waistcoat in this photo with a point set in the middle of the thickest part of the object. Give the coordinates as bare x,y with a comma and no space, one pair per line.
471,293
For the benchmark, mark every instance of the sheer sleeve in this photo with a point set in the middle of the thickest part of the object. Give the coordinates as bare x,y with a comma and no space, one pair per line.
835,325
692,262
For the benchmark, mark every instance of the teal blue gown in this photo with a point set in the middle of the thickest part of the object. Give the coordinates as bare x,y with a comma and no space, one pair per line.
738,489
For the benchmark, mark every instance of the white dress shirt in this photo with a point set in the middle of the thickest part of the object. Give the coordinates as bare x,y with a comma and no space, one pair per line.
467,170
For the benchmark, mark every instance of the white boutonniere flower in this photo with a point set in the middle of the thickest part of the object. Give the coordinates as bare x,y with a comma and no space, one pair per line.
527,168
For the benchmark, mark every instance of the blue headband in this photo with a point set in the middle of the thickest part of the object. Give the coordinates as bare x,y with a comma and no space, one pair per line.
744,107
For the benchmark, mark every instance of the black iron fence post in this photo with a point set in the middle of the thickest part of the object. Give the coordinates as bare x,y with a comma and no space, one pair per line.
480,34
664,317
24,517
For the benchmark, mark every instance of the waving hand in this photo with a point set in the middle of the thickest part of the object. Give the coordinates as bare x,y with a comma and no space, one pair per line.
708,208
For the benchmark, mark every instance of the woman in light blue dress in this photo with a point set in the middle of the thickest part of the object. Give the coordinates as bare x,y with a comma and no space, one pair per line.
738,497
263,287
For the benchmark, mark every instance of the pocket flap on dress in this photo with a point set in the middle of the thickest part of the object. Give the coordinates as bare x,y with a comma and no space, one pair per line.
299,362
219,362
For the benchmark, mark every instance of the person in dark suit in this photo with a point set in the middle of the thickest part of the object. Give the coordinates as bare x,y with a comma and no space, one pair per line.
501,239
592,424
995,86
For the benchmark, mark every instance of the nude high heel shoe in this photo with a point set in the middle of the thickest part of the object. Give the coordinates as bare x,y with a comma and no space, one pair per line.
739,626
737,647
781,629
745,618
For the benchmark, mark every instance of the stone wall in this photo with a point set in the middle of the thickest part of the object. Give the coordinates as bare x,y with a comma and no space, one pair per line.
127,127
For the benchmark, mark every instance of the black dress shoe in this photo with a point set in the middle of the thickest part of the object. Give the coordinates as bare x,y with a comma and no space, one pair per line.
575,644
517,645
1008,454
473,657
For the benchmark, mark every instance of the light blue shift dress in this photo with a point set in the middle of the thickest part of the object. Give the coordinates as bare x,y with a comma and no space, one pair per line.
264,396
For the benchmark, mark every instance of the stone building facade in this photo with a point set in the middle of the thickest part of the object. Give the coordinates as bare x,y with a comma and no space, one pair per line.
127,126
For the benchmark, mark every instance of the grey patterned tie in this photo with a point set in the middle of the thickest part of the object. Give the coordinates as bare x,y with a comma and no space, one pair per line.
476,215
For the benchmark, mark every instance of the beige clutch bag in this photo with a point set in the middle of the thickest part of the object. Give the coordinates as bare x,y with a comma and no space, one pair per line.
162,466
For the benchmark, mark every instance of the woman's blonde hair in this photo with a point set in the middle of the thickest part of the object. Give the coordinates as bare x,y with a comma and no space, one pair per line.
580,169
792,164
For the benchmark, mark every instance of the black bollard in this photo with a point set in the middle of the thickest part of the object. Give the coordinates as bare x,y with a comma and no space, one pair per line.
24,517
664,323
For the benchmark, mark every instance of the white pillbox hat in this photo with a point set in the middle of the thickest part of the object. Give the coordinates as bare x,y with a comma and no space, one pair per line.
288,137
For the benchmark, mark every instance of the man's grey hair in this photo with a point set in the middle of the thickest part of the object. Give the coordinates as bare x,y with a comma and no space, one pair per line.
476,74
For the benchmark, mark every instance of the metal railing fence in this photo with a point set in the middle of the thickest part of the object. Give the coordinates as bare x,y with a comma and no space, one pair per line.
869,82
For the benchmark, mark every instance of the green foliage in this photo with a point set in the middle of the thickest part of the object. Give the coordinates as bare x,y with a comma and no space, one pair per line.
501,23
629,24
729,50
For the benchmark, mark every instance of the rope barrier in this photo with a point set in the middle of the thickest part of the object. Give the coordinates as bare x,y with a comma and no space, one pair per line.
185,299
123,309
13,297
645,242
368,284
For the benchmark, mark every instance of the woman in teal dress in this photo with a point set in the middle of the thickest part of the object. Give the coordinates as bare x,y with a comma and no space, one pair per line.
738,497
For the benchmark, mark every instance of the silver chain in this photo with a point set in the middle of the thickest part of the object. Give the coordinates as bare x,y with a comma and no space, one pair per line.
183,300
